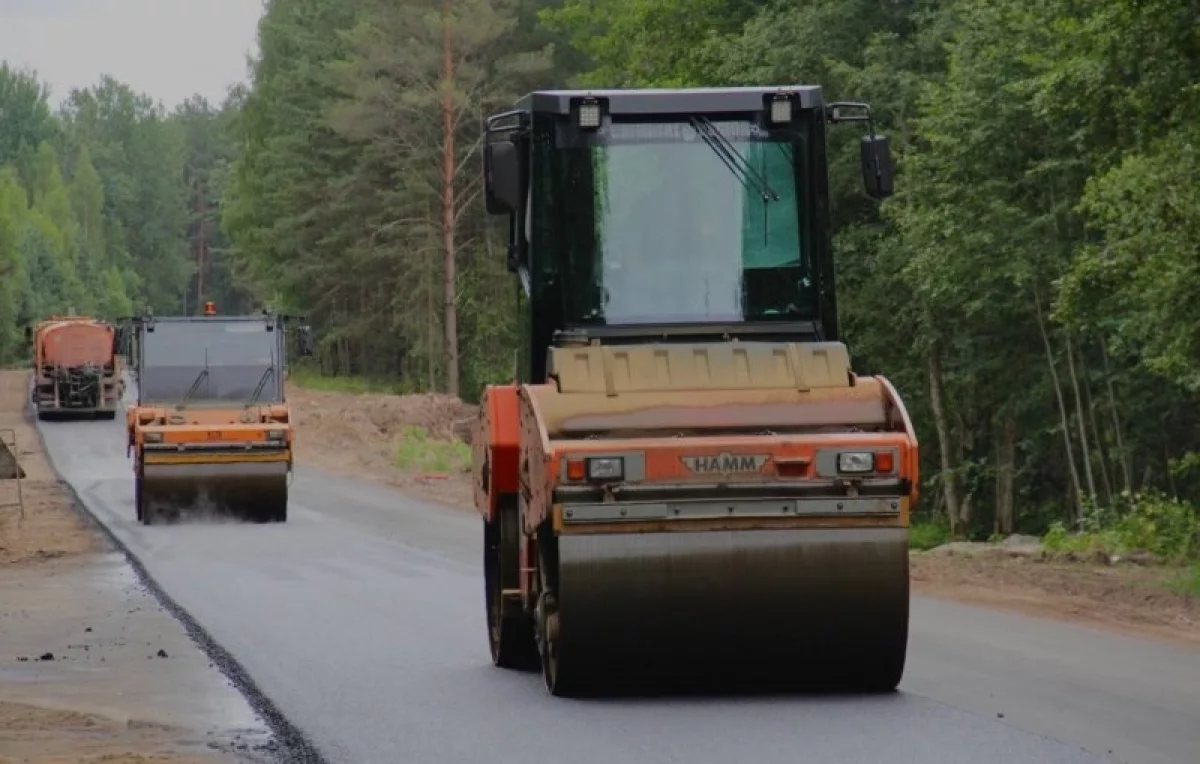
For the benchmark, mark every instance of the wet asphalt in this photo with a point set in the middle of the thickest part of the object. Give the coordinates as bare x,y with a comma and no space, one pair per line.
360,623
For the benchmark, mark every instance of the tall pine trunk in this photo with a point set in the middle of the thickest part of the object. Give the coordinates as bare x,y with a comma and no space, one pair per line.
1006,458
1080,420
1064,419
448,216
937,403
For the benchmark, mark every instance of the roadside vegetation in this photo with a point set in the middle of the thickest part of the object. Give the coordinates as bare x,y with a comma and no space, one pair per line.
419,452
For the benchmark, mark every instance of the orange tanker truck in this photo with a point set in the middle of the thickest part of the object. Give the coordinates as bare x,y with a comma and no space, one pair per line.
687,484
76,368
211,431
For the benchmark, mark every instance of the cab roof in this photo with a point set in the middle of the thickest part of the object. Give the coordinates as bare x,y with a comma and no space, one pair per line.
669,101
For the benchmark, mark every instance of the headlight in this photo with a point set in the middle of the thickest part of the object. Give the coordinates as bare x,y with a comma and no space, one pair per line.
856,461
274,434
153,437
606,468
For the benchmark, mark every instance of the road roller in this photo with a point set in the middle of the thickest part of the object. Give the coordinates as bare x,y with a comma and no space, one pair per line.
686,485
211,433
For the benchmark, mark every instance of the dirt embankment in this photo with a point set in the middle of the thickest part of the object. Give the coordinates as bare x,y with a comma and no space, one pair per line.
414,442
377,437
1128,597
92,671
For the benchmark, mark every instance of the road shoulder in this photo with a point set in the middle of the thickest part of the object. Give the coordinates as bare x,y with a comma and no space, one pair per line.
92,668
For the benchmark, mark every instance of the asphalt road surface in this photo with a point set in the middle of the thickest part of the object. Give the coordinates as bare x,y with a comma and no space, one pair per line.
362,620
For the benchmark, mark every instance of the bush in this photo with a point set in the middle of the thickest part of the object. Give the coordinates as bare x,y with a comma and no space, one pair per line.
1166,527
928,534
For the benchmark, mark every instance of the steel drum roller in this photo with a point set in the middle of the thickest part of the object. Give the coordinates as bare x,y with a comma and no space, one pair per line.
252,490
759,608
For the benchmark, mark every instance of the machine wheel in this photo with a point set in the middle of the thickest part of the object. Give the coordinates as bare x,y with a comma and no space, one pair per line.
276,510
274,507
511,637
562,678
139,501
882,672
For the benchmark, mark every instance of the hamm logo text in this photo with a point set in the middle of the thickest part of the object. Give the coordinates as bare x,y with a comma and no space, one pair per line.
725,462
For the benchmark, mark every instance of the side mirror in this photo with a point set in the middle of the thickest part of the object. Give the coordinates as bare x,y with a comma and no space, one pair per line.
504,186
307,344
877,169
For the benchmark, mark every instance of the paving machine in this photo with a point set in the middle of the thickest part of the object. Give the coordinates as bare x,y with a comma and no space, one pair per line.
687,485
211,432
76,368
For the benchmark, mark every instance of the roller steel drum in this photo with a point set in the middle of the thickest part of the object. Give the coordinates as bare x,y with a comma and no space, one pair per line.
745,609
256,491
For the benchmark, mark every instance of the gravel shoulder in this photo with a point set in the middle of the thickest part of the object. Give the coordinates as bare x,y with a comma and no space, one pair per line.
92,669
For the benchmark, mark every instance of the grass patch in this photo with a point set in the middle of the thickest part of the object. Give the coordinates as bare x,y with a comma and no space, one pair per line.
418,452
927,535
314,380
1186,582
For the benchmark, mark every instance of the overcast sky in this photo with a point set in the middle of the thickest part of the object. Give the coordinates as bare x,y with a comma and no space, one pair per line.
168,49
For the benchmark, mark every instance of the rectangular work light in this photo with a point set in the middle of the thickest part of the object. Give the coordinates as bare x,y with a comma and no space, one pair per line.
781,109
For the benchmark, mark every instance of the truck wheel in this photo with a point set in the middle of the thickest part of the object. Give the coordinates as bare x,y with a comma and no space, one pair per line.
510,636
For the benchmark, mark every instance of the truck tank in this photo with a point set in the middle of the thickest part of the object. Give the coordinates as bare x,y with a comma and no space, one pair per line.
77,371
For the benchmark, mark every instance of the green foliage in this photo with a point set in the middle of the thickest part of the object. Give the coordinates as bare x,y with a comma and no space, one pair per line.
336,203
1166,527
96,203
928,534
307,376
1186,582
419,452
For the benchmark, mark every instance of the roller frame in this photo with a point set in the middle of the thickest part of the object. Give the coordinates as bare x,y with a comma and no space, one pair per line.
813,525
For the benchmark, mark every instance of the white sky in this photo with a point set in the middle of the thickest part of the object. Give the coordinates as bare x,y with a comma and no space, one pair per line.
167,49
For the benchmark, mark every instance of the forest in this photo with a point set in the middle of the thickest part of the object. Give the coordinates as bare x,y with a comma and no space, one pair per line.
1030,288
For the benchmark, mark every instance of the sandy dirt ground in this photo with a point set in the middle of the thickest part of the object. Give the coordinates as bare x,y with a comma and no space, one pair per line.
360,435
92,670
1127,598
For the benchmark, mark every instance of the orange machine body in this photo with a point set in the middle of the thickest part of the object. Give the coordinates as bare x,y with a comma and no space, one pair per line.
532,449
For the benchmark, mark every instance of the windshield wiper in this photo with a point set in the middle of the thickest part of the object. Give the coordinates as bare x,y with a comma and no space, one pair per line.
195,386
262,382
736,163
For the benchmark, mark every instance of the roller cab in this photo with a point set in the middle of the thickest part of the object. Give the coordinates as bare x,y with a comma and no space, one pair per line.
211,434
687,485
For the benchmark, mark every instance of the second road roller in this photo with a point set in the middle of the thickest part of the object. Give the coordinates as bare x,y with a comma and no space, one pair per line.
211,432
687,485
